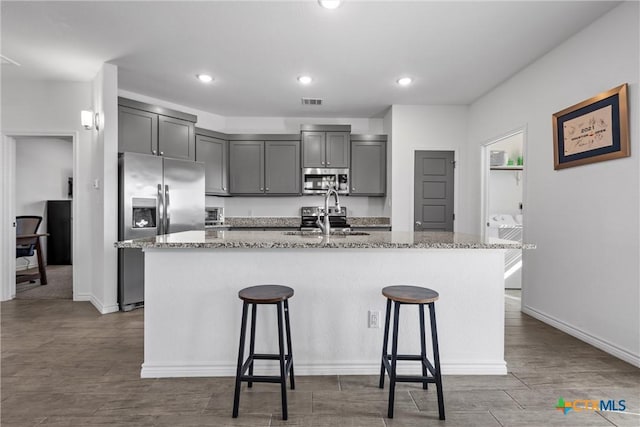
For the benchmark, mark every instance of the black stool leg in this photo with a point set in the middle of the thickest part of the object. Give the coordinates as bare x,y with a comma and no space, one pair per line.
283,373
252,340
292,379
423,347
436,359
243,331
394,358
384,343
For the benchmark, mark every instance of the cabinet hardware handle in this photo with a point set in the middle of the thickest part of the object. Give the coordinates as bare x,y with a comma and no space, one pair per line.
322,163
267,188
224,188
328,163
162,153
153,151
353,188
261,189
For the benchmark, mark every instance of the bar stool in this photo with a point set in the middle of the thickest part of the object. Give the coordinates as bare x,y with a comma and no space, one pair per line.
252,296
416,296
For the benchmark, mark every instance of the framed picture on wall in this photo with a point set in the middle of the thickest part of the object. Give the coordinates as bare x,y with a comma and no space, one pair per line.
593,130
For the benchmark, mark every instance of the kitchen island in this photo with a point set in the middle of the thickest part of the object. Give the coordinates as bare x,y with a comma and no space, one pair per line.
192,310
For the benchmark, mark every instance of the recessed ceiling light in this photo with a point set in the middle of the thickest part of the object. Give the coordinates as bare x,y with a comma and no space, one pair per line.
405,81
204,78
330,4
305,80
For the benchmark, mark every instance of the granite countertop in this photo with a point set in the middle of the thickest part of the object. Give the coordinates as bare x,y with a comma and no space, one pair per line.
248,239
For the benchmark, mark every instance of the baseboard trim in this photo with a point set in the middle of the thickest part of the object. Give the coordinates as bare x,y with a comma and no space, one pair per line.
103,309
346,368
597,342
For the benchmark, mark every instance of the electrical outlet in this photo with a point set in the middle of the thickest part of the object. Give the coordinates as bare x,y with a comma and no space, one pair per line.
374,319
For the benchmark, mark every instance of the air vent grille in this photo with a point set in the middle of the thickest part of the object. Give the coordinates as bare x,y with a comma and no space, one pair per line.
311,101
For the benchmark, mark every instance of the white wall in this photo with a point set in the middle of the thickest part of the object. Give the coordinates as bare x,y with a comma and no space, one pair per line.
105,196
292,124
425,127
43,167
49,107
584,275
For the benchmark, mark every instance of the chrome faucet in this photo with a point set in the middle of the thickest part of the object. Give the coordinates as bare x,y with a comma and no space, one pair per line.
326,227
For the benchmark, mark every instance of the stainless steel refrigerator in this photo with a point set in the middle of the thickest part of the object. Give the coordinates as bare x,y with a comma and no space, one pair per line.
157,195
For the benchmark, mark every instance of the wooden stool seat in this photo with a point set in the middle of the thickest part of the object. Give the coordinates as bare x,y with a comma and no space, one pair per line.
410,294
265,294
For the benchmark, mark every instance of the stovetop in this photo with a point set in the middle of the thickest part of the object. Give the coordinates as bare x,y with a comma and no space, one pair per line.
309,216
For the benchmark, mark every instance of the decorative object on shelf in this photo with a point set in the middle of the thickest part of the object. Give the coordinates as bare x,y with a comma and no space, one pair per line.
498,158
593,130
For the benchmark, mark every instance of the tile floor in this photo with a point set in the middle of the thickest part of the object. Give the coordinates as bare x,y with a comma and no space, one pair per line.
63,364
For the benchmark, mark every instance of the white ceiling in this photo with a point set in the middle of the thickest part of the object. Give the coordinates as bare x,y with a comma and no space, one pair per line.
455,51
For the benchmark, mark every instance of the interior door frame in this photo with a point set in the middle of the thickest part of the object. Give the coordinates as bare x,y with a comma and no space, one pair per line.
485,156
8,207
456,191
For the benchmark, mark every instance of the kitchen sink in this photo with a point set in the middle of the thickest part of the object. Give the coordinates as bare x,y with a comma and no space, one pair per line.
336,233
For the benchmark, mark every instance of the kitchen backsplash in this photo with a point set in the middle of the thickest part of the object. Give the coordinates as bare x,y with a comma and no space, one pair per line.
290,206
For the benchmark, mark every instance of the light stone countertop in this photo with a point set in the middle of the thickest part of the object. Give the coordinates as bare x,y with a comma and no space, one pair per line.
248,239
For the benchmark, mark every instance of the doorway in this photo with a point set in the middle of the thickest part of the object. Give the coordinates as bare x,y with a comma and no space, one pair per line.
38,170
433,199
503,194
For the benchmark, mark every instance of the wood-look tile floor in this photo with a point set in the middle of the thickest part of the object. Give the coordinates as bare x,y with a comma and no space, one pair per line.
63,364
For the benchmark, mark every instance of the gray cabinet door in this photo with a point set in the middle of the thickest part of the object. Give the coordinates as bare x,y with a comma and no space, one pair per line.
337,150
137,131
282,167
368,168
313,149
213,153
176,138
246,167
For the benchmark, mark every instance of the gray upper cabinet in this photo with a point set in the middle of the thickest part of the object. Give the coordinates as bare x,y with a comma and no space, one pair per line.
264,168
137,131
337,150
368,168
282,167
246,167
213,152
325,149
148,129
176,138
313,149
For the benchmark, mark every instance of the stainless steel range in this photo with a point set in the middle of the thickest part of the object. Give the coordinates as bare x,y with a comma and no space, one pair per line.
309,218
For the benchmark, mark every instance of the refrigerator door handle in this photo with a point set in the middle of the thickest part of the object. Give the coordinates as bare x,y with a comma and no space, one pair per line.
160,222
167,217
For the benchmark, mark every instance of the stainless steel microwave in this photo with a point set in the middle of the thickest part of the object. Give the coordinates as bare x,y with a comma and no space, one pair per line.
319,180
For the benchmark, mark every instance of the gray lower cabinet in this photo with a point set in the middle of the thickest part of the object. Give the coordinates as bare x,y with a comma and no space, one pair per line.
264,167
148,129
368,168
213,153
325,149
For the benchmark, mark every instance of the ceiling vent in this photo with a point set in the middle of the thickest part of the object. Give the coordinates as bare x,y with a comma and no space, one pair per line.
7,61
311,101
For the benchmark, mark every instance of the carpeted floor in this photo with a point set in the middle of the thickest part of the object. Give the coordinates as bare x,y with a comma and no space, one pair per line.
59,284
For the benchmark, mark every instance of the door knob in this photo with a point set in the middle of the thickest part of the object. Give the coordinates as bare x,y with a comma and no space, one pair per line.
418,223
